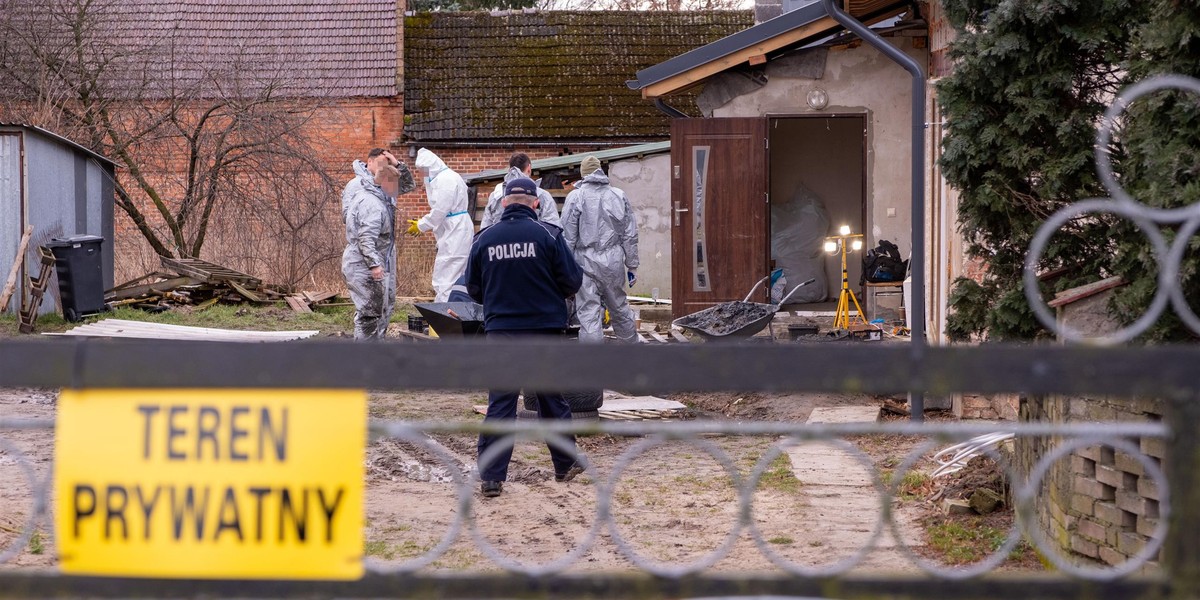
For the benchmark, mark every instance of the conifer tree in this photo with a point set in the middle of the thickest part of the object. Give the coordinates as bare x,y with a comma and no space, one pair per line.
1031,79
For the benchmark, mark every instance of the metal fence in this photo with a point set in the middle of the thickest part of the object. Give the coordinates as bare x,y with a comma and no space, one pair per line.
849,368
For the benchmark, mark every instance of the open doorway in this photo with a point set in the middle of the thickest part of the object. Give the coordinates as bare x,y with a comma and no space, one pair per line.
817,183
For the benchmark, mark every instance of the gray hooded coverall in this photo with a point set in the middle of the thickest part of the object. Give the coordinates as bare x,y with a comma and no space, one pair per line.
600,228
370,218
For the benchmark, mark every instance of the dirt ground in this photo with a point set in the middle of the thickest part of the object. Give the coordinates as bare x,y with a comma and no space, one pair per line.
674,504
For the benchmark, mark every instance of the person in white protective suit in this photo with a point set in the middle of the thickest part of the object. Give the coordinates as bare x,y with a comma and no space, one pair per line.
447,219
600,228
519,166
369,261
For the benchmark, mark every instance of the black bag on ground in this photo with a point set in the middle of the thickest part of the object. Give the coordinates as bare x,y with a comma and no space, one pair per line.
882,263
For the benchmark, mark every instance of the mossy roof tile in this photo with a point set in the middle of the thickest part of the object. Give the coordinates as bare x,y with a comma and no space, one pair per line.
545,75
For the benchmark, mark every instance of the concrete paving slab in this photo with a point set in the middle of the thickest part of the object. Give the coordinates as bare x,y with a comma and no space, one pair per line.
824,464
844,414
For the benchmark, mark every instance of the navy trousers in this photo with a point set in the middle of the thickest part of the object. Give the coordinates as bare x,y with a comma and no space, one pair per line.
503,405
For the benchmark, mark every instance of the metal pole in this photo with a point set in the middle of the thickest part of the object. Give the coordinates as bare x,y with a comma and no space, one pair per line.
1181,551
917,264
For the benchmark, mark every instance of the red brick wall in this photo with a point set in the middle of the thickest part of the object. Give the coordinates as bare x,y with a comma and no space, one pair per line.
343,131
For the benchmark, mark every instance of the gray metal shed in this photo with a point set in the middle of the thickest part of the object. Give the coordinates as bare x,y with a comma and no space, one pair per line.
58,187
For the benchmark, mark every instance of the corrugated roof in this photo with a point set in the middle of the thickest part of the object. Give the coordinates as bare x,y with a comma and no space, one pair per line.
55,136
562,162
545,75
344,48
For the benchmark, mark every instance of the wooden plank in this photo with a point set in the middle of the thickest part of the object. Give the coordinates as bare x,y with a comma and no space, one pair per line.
207,303
298,304
147,289
315,297
208,272
10,284
414,335
251,296
679,337
658,337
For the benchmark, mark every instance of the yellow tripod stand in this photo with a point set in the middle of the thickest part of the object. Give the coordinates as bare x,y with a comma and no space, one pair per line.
841,319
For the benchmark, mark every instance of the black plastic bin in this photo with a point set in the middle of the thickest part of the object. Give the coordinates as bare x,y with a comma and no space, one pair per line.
80,279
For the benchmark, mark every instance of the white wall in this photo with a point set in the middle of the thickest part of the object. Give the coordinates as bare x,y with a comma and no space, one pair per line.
647,183
858,80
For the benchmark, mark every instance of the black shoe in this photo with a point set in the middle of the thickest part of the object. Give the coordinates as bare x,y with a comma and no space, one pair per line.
491,489
575,469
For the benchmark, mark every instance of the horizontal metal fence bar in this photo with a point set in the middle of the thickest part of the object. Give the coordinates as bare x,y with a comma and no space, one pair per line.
692,429
584,586
847,367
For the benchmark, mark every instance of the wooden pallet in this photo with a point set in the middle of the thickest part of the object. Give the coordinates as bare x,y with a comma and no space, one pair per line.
31,304
209,272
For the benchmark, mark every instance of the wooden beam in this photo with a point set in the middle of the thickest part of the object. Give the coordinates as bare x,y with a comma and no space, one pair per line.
697,75
701,72
11,283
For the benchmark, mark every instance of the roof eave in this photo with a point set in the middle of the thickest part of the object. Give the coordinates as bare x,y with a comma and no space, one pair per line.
692,68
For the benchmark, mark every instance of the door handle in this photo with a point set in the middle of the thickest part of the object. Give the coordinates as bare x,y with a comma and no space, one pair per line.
678,209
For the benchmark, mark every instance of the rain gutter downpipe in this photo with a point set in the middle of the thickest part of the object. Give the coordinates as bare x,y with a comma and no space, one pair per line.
916,311
669,110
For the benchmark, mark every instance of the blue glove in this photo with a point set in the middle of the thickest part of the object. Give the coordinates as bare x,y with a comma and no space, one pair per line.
632,275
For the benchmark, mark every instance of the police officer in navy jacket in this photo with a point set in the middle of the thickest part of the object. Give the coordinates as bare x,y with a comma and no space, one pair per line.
522,272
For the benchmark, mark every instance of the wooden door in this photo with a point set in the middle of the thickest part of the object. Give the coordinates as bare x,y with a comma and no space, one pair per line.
719,233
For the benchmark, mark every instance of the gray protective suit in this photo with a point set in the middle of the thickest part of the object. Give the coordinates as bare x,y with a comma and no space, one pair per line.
547,208
600,228
370,218
446,193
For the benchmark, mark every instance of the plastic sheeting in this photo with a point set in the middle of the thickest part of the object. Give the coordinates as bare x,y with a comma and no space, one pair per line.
799,226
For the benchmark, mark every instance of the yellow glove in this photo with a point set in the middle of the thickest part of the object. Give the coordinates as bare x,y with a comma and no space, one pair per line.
413,229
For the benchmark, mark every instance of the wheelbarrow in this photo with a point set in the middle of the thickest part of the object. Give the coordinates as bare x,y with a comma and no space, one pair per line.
734,320
450,319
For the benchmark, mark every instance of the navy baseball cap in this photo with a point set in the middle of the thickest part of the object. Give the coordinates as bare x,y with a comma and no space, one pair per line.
521,185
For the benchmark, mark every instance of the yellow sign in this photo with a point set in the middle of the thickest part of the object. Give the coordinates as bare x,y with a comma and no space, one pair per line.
259,484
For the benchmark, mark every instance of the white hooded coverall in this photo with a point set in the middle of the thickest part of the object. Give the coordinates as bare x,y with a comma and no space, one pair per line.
449,220
600,228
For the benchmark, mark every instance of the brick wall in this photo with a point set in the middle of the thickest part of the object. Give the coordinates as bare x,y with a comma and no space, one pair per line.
1097,506
342,131
996,407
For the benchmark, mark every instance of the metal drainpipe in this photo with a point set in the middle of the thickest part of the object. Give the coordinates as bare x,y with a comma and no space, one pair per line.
917,264
669,110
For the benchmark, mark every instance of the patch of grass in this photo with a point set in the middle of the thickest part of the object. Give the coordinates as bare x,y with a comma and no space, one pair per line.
337,319
964,542
36,544
689,483
779,476
407,549
912,485
816,543
782,540
378,548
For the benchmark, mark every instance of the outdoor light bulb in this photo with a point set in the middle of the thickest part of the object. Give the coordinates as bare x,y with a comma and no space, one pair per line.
817,99
830,246
856,245
844,230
